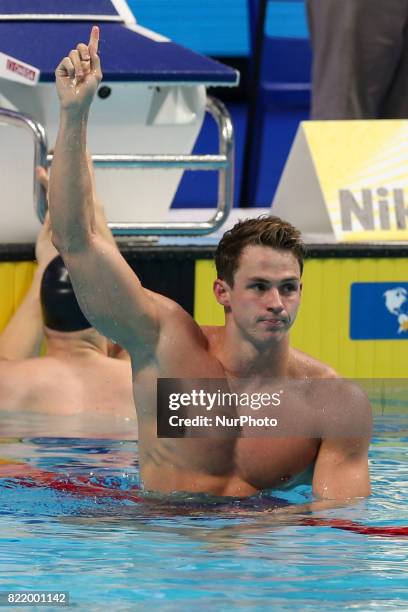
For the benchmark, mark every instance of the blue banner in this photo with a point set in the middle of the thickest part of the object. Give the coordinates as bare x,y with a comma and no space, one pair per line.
379,311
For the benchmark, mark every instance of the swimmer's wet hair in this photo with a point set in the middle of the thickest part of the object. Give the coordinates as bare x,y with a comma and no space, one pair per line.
267,231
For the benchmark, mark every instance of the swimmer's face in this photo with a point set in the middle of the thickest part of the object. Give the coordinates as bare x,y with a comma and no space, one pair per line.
265,297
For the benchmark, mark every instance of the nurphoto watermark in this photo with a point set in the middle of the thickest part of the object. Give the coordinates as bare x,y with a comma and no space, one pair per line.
312,408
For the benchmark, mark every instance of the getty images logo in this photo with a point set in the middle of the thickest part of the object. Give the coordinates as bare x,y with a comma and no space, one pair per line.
375,209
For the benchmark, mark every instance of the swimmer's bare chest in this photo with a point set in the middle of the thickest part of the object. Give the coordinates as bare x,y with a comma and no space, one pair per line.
238,466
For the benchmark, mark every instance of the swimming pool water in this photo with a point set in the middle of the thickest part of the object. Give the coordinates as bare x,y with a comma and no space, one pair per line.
178,554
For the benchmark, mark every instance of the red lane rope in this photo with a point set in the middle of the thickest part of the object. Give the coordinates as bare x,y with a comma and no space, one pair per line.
27,476
345,525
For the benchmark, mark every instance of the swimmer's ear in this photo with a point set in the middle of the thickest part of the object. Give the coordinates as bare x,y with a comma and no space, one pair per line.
221,292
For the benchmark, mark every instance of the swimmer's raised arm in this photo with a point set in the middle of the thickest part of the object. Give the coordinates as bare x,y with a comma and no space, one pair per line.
101,223
23,334
108,291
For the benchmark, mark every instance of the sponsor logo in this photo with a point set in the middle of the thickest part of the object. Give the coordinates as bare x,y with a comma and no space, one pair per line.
373,209
379,311
396,302
21,70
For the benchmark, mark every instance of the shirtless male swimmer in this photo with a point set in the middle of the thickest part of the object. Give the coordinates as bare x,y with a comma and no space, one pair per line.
77,374
259,287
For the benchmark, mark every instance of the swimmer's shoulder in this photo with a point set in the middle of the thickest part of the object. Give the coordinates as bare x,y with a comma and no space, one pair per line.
304,366
347,398
27,380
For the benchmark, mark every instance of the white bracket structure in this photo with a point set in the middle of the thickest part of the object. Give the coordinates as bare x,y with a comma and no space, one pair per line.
223,163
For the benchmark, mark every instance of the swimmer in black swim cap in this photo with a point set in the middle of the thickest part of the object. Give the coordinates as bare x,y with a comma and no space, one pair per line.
59,305
51,359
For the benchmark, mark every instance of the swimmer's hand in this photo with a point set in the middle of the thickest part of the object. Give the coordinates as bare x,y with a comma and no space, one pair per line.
78,76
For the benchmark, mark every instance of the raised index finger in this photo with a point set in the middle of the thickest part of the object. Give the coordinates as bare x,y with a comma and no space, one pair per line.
94,40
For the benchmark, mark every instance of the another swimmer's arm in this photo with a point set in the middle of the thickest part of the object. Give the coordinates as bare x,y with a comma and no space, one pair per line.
23,335
108,291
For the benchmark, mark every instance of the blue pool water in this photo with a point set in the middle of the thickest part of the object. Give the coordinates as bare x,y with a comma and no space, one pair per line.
180,553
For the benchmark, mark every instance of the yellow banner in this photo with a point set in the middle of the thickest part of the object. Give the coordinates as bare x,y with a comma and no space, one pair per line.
362,170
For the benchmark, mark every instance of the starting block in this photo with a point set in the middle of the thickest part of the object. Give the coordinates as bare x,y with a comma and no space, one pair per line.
144,121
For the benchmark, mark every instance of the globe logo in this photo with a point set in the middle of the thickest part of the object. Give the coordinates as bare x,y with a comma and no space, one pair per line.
396,302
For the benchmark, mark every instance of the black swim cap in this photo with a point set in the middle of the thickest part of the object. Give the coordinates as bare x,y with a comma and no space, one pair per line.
59,305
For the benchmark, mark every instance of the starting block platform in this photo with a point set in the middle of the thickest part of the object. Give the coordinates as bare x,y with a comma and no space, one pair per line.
147,113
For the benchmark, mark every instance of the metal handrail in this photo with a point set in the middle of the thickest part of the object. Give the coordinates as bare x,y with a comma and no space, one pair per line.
40,152
186,162
223,162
